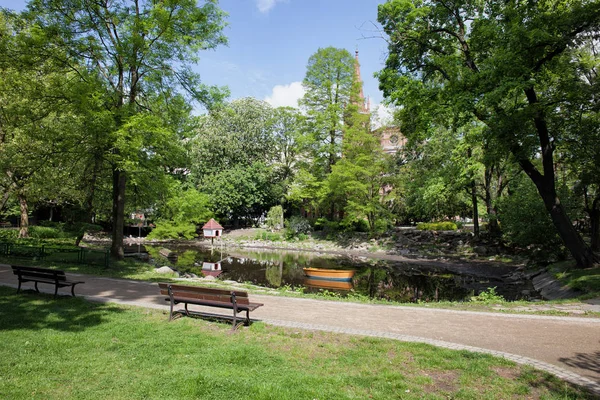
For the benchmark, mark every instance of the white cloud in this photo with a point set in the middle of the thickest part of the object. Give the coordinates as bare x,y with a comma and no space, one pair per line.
264,6
286,95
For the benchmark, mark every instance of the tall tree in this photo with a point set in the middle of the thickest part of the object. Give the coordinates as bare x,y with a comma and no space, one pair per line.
358,180
328,83
136,48
504,63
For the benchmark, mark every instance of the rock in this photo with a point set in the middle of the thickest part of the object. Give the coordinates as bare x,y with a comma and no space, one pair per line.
551,289
480,250
210,278
164,270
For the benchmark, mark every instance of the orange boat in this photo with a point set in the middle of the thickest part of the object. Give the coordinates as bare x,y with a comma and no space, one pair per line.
329,274
328,284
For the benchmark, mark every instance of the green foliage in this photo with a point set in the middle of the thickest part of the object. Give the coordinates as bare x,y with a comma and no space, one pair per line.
187,206
173,230
488,296
328,85
8,234
242,192
520,71
268,236
232,162
437,226
45,232
524,219
275,217
296,226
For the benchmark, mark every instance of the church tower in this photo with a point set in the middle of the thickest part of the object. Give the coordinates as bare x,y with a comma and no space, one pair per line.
390,137
364,106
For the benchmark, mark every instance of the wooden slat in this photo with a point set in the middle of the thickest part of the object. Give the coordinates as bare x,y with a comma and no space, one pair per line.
205,294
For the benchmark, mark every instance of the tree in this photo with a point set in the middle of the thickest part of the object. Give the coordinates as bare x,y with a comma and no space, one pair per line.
507,64
141,51
235,160
328,83
358,179
40,128
289,128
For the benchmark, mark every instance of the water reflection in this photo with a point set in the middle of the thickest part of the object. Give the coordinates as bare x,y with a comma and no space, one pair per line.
395,281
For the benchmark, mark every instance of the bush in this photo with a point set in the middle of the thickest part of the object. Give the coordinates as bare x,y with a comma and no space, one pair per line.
268,236
488,296
275,218
437,226
173,230
524,219
295,226
46,232
8,234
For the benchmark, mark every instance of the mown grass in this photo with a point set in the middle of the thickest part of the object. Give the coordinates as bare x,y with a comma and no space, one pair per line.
585,280
68,348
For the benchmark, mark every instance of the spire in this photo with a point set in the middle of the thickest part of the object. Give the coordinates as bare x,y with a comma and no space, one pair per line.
362,108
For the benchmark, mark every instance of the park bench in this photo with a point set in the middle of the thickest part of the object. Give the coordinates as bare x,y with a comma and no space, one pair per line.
44,275
232,299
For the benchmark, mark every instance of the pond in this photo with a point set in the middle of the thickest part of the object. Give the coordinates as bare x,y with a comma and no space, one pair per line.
391,280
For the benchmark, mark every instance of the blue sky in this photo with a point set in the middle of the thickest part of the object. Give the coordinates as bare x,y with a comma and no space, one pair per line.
270,42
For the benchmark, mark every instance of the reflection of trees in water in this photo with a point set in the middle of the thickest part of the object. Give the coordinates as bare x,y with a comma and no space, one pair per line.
394,281
407,285
274,274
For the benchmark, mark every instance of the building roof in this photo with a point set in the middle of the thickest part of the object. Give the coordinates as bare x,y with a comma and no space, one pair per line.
212,224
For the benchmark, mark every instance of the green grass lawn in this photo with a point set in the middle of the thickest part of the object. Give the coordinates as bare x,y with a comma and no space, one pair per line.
68,348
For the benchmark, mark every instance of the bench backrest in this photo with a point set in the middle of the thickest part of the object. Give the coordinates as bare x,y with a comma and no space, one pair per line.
39,273
203,293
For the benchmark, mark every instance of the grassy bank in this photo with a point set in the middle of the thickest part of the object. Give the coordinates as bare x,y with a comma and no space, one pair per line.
71,349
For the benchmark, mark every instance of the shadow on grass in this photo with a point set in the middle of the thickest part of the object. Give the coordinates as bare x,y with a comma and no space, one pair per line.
29,310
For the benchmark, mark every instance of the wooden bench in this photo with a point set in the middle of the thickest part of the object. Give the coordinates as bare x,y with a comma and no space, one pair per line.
44,275
232,299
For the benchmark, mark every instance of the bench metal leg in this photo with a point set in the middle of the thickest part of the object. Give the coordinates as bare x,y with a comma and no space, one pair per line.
73,290
55,290
36,288
171,311
19,288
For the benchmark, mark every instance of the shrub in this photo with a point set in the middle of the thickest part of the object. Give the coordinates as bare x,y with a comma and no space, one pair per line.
524,219
268,236
173,230
437,226
488,296
295,226
45,232
8,234
275,218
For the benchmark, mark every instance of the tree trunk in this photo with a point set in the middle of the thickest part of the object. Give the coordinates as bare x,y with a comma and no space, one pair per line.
119,185
473,186
24,226
475,210
583,254
493,227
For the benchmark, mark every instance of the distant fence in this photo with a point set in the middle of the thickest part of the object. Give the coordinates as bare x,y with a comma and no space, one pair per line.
78,255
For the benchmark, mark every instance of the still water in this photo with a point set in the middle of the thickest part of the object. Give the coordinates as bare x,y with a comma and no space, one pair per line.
396,281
